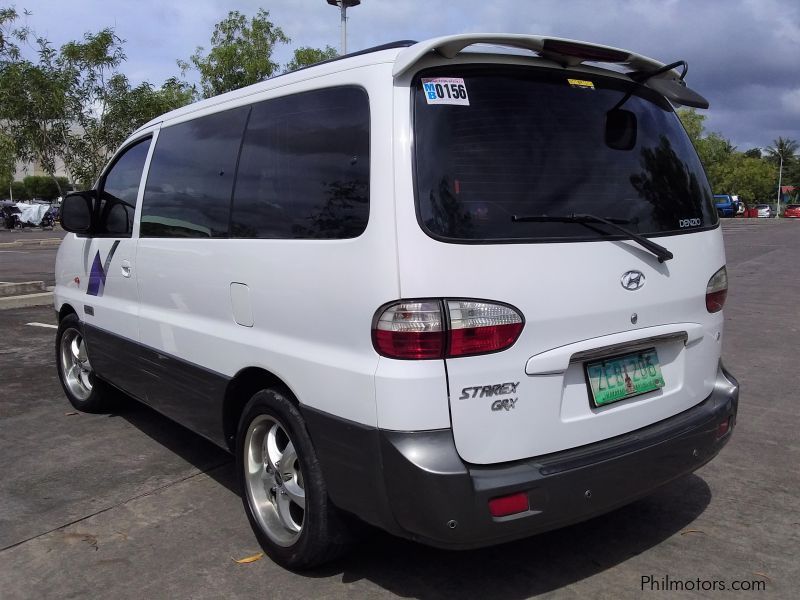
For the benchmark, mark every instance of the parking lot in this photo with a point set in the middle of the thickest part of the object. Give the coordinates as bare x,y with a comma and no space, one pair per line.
131,505
28,254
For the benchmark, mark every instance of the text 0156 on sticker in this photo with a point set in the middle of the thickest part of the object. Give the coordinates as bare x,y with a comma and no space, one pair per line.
445,90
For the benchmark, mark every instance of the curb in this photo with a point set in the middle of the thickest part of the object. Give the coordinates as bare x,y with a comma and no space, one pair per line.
35,242
21,288
41,299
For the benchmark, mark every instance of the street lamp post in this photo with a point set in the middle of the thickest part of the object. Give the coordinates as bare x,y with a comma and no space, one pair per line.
780,174
343,6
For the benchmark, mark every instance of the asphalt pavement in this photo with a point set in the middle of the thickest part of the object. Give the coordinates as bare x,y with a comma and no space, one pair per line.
131,505
28,254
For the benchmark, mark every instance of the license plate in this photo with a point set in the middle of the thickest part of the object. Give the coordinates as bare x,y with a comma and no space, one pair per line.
621,377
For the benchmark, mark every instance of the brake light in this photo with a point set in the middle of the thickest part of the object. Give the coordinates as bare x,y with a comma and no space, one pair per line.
419,329
717,291
585,51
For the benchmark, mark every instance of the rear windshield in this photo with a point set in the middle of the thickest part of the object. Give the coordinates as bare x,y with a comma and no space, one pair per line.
498,142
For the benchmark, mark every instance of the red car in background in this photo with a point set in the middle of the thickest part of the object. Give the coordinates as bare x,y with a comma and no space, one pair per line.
792,211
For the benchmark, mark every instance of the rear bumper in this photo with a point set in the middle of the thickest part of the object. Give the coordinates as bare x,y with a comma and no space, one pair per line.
429,494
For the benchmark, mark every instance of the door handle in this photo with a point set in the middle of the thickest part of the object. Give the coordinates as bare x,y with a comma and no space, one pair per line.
125,267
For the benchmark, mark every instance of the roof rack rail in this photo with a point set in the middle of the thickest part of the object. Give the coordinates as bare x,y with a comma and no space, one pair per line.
388,46
566,52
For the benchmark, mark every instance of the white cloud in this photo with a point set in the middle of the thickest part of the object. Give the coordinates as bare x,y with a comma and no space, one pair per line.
791,101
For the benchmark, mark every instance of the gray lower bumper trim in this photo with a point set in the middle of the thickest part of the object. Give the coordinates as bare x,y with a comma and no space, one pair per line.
438,499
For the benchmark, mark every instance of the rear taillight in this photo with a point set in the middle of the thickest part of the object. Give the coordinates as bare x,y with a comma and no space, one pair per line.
481,327
411,330
717,291
448,328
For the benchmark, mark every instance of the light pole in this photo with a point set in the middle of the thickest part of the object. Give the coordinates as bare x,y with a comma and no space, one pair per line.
780,174
343,6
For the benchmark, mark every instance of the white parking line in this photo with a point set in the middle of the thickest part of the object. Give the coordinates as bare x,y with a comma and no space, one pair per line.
43,325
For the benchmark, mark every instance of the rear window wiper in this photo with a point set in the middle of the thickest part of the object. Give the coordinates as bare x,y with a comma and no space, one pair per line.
660,252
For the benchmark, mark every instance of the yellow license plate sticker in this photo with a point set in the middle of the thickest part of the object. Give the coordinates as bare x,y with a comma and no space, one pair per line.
581,83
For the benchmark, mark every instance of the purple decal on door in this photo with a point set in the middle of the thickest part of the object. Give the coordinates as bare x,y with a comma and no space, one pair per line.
97,276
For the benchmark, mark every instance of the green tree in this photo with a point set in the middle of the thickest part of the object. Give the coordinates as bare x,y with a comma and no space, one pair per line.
240,55
782,148
19,192
44,187
104,106
712,148
785,150
130,107
124,109
693,122
74,104
34,106
91,67
745,174
752,179
10,35
8,161
791,176
305,57
715,151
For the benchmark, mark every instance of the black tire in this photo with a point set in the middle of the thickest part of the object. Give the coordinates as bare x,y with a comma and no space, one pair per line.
323,534
97,398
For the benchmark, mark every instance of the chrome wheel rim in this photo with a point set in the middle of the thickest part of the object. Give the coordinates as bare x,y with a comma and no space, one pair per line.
274,481
75,368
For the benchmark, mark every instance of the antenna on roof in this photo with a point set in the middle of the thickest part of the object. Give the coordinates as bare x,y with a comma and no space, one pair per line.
343,6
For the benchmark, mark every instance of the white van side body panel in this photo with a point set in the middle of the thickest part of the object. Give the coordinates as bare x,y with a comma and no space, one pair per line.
311,300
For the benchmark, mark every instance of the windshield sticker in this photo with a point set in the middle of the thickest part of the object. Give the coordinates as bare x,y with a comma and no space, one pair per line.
445,90
581,83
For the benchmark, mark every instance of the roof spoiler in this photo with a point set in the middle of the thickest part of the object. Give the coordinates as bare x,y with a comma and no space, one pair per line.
567,53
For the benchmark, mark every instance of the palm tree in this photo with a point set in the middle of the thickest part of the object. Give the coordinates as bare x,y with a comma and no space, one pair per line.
781,151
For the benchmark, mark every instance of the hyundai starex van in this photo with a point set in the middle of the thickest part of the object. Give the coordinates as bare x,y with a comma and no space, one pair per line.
465,290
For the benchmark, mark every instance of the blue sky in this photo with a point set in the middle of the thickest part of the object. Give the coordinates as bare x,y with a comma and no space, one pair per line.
743,55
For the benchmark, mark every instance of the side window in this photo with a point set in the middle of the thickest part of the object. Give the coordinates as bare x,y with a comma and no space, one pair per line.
304,167
120,189
190,180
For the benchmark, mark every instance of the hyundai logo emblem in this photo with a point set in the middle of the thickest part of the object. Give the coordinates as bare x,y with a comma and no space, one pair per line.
632,280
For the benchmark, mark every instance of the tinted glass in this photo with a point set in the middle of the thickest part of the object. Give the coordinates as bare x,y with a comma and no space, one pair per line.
120,190
190,181
530,143
304,168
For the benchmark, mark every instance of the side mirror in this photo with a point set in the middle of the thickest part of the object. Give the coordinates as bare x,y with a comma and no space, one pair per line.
77,209
621,129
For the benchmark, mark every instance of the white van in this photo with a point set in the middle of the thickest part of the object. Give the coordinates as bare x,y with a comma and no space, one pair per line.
462,293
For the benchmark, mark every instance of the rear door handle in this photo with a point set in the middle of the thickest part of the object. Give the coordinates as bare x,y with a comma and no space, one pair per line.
125,267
